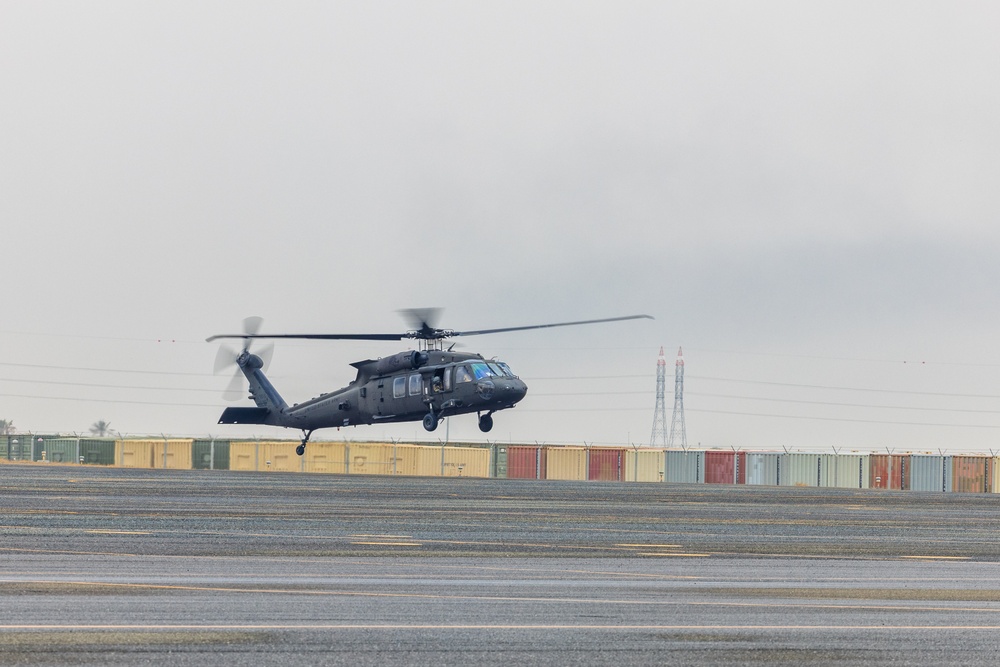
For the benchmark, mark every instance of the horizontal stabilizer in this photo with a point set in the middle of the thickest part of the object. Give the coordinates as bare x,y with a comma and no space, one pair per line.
244,416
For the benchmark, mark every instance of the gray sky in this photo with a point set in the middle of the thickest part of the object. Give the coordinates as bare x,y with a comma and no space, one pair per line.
804,195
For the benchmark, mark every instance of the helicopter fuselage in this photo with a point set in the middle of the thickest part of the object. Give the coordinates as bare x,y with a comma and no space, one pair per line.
409,386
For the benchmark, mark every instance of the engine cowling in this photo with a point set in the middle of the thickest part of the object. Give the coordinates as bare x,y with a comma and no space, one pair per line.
411,360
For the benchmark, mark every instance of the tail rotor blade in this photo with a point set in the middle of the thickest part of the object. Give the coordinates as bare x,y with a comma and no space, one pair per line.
224,358
234,391
251,325
265,353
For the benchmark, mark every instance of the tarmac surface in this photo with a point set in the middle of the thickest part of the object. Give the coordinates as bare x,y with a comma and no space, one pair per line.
118,566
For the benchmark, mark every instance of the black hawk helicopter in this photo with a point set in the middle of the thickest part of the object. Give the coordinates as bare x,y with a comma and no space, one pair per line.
426,384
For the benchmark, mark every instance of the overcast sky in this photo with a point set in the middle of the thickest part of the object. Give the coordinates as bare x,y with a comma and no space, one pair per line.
804,196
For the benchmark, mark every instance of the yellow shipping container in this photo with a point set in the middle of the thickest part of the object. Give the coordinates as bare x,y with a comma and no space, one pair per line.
644,465
370,458
135,453
173,454
243,456
566,463
466,462
265,455
328,457
279,456
152,453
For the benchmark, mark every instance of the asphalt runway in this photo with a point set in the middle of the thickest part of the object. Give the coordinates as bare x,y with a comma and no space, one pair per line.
121,567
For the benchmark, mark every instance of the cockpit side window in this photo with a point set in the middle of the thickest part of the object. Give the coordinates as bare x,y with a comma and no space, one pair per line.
462,375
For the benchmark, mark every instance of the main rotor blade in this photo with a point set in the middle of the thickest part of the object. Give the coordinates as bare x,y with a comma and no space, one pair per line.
549,326
313,336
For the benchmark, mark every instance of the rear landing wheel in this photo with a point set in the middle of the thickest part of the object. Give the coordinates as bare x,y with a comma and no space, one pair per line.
486,423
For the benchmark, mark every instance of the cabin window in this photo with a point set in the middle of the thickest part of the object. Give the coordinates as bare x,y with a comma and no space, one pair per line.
446,377
416,386
462,375
399,387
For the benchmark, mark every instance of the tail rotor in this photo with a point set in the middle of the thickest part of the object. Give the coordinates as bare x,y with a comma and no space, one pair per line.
228,356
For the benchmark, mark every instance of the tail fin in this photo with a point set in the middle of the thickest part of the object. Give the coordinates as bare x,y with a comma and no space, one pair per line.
263,393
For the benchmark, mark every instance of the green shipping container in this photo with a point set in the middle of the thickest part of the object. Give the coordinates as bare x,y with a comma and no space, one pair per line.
210,455
57,450
97,452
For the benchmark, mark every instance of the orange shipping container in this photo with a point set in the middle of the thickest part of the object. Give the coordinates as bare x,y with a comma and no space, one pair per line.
971,474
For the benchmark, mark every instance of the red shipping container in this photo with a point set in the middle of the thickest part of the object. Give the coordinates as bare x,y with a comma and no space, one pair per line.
605,464
725,467
525,463
720,467
889,471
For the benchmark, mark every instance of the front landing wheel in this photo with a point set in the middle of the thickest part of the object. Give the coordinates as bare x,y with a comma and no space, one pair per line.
300,450
430,421
486,423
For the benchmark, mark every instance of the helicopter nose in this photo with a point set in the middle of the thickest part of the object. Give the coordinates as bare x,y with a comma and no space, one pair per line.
518,390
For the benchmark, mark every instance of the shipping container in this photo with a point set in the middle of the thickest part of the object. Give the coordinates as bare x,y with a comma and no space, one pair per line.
684,466
800,469
844,471
371,458
174,454
60,450
210,455
605,464
972,474
930,472
38,446
98,451
466,462
763,468
135,453
526,462
889,471
326,457
644,465
19,447
500,461
243,455
567,463
725,467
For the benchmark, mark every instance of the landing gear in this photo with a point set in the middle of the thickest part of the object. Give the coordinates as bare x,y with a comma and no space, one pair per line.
486,422
430,421
301,449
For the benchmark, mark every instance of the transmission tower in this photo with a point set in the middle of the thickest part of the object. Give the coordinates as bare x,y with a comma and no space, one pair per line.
678,433
659,436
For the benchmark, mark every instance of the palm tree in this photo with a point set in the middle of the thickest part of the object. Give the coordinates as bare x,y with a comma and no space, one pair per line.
6,426
100,428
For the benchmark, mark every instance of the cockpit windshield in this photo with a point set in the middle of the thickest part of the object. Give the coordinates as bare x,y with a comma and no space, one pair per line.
491,369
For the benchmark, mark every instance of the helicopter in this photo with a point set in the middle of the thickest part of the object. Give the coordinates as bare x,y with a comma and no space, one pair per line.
427,384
